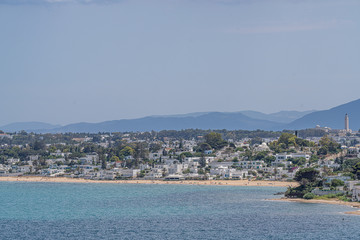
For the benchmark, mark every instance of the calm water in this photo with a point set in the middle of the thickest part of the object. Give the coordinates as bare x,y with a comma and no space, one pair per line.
112,211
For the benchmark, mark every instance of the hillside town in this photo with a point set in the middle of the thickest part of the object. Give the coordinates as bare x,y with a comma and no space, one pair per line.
104,156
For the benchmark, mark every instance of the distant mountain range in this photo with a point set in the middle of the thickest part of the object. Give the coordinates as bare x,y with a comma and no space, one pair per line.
280,117
246,120
28,126
333,118
202,120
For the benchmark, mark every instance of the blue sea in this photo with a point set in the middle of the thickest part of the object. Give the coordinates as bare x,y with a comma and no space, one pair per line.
135,211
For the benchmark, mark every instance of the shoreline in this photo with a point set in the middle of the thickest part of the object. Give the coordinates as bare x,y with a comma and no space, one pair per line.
330,201
254,183
181,182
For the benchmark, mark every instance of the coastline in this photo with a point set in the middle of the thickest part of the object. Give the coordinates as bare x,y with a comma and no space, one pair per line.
253,183
181,182
330,201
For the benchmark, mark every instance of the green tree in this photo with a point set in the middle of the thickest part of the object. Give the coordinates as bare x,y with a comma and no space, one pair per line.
204,146
269,159
215,140
52,149
248,155
232,145
337,183
181,144
314,159
39,145
114,159
261,155
239,149
308,178
328,145
102,160
186,154
256,140
298,161
323,150
310,175
127,151
288,139
309,195
202,161
154,147
356,170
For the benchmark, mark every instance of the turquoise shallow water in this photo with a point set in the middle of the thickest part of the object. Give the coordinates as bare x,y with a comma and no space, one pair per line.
119,211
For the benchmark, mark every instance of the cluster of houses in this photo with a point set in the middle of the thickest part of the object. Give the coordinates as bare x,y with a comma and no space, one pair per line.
351,187
221,164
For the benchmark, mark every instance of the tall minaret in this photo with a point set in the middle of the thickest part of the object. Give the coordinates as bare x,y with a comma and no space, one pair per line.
347,129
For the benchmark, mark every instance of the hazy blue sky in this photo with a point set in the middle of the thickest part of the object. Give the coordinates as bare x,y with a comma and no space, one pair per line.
65,61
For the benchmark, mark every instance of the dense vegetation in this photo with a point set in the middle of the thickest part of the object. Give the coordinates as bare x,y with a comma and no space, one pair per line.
308,178
188,134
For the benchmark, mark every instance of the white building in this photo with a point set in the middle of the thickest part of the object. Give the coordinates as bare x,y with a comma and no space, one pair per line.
176,169
129,173
262,147
280,157
251,164
356,194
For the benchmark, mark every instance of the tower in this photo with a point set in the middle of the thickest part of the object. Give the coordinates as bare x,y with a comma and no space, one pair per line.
347,129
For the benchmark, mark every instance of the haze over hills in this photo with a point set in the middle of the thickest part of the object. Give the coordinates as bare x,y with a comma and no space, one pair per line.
213,120
201,120
246,120
333,118
28,126
280,117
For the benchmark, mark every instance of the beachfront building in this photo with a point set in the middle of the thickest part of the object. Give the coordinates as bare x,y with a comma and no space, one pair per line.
238,174
176,168
153,175
129,173
250,164
218,171
215,164
4,169
356,194
174,178
225,172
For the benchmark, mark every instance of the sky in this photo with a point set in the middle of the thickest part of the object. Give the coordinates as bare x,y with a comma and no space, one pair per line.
67,61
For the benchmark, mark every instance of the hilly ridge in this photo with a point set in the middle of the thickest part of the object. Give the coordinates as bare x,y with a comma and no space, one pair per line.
280,117
245,120
28,126
213,120
333,118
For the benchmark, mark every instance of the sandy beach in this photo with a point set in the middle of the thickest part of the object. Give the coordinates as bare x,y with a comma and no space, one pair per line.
330,201
185,182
